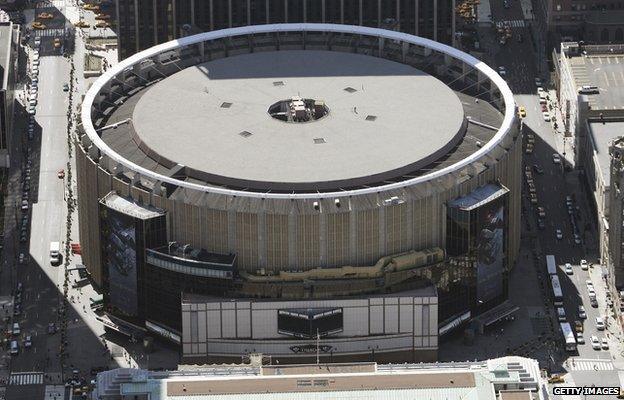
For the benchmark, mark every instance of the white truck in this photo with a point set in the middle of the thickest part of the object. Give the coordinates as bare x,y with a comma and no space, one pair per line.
55,253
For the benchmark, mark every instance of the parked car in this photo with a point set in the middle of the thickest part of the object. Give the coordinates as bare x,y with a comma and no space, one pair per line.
581,312
579,338
538,169
578,326
28,341
559,234
600,323
568,269
556,158
604,344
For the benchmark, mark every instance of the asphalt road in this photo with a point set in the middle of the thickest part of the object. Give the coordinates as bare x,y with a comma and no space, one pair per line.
39,278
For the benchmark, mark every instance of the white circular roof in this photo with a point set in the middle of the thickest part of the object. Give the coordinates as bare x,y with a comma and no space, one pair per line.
213,118
110,75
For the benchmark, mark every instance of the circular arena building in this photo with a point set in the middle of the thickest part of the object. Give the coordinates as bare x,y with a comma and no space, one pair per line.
259,189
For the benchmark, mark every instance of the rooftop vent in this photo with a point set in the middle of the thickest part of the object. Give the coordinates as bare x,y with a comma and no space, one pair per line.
245,134
350,89
371,117
278,83
319,140
226,105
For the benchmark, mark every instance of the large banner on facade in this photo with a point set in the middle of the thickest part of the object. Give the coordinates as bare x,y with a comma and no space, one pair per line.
490,246
120,246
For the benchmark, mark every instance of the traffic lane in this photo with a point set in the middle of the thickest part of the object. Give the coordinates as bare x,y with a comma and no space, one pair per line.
42,307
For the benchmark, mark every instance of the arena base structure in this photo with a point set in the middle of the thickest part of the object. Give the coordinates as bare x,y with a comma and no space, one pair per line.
299,190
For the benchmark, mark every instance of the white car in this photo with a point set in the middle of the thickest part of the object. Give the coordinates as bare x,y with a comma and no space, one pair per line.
600,323
539,90
584,265
502,71
604,343
568,269
581,312
595,343
546,116
579,338
559,234
22,258
556,158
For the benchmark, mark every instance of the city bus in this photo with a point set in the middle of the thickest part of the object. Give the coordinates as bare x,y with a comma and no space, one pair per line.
556,290
568,335
551,265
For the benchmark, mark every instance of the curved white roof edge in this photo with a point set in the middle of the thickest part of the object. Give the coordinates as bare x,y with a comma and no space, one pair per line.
337,28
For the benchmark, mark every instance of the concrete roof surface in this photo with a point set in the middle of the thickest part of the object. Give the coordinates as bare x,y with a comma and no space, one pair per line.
417,117
602,135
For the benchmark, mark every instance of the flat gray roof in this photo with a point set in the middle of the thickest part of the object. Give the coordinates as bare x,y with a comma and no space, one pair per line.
602,135
417,118
606,72
6,37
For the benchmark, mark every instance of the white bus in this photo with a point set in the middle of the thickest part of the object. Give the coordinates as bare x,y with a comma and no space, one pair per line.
568,335
551,265
556,290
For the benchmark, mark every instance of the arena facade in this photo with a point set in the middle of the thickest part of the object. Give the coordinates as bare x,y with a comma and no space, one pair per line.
293,187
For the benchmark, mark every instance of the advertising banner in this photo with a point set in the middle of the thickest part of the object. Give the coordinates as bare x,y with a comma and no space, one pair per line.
490,243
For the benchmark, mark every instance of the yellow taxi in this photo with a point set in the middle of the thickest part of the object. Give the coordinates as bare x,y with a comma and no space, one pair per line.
81,24
45,15
92,7
38,25
102,24
57,43
521,112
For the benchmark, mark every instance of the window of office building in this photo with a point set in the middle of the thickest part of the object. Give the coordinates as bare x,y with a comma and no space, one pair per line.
277,14
239,13
258,11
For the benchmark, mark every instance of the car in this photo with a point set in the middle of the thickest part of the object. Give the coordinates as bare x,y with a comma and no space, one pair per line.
581,312
579,338
521,112
16,329
546,116
24,205
588,89
556,158
589,283
569,200
91,7
45,15
14,348
577,239
82,24
568,269
529,149
57,43
17,310
561,315
533,198
604,344
544,108
595,343
600,323
28,341
539,90
537,168
22,258
65,87
38,25
61,174
584,265
506,4
541,211
502,71
51,328
102,24
578,326
559,234
593,302
538,83
102,16
530,138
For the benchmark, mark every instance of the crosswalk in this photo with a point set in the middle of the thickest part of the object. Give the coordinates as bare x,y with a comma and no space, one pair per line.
26,378
516,23
588,365
58,32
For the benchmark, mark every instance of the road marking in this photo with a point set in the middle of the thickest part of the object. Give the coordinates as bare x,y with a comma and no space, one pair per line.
26,378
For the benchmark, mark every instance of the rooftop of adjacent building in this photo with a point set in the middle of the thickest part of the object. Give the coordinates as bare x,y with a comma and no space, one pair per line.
601,66
6,39
602,134
507,378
